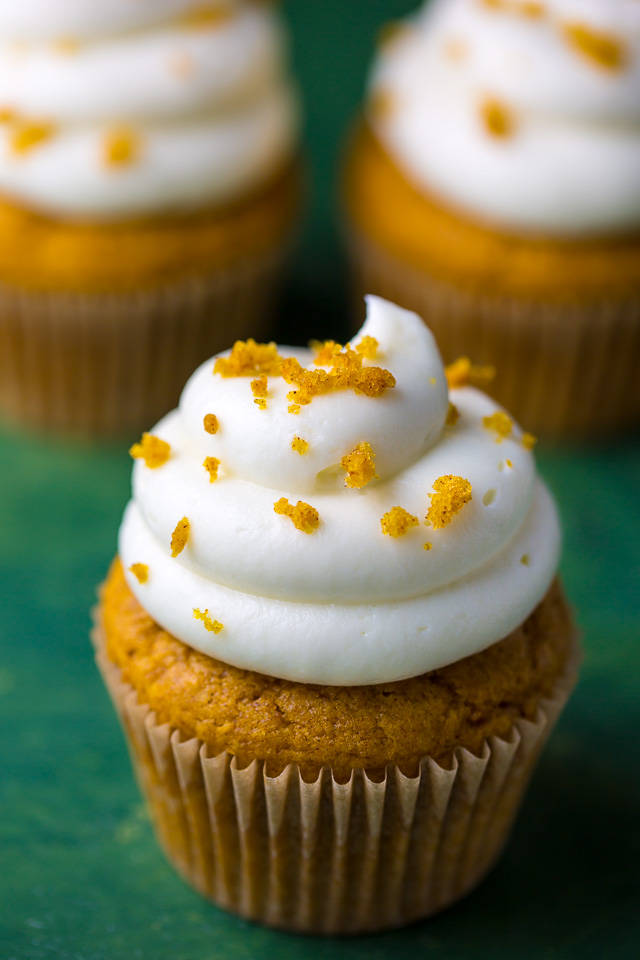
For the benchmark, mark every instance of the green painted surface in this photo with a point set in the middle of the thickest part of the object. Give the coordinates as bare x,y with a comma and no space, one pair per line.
81,877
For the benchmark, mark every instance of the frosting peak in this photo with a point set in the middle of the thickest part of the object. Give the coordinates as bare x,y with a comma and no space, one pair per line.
362,539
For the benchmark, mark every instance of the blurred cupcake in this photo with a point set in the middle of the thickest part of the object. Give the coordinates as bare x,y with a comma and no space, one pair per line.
149,188
494,186
334,634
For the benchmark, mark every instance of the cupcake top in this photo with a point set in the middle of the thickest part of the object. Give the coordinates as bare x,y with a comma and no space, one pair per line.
338,515
523,112
137,107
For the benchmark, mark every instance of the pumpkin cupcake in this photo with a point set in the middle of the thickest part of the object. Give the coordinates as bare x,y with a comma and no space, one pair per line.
148,191
494,186
333,632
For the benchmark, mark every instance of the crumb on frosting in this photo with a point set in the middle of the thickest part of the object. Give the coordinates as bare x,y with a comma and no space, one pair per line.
121,148
602,49
524,8
249,359
397,522
427,546
368,348
360,466
66,46
208,16
140,572
293,408
525,560
449,496
462,373
508,463
179,537
346,373
299,445
259,390
303,516
501,424
211,465
528,442
213,626
7,115
211,423
453,415
497,118
26,136
152,450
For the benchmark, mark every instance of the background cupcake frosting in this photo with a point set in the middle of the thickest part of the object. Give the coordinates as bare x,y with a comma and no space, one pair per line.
136,107
345,604
524,113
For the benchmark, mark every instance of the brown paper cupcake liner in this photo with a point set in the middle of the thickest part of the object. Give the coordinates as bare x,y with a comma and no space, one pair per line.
109,363
564,369
328,857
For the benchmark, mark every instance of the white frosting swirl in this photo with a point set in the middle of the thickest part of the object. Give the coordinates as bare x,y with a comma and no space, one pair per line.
344,604
571,162
209,106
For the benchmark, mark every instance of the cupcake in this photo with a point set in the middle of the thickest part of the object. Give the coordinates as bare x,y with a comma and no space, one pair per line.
148,191
334,633
493,185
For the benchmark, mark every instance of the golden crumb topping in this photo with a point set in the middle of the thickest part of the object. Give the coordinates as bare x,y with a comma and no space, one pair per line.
26,136
152,450
601,49
497,119
397,522
7,115
525,560
453,415
249,359
463,373
501,423
210,423
508,463
211,465
213,626
360,466
179,537
209,16
346,373
303,516
260,391
368,348
140,572
299,445
528,442
121,148
293,408
427,546
524,8
449,497
66,46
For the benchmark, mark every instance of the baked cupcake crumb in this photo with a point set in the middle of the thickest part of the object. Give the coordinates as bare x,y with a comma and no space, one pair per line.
213,626
152,450
211,465
497,119
303,516
211,423
453,415
528,442
500,423
260,391
299,445
140,572
397,522
601,49
179,537
449,496
360,466
121,148
26,136
249,359
463,373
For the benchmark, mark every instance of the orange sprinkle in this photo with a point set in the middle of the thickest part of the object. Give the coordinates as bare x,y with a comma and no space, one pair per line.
299,445
140,572
179,537
462,372
26,136
121,148
499,422
303,516
453,415
497,119
249,359
360,466
207,17
213,626
600,49
451,494
152,450
211,423
397,522
211,465
528,442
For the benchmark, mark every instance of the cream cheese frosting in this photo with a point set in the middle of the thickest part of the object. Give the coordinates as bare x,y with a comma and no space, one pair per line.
344,604
199,96
525,113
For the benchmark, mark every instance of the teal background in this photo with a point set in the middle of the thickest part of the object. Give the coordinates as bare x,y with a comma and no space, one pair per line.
81,877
